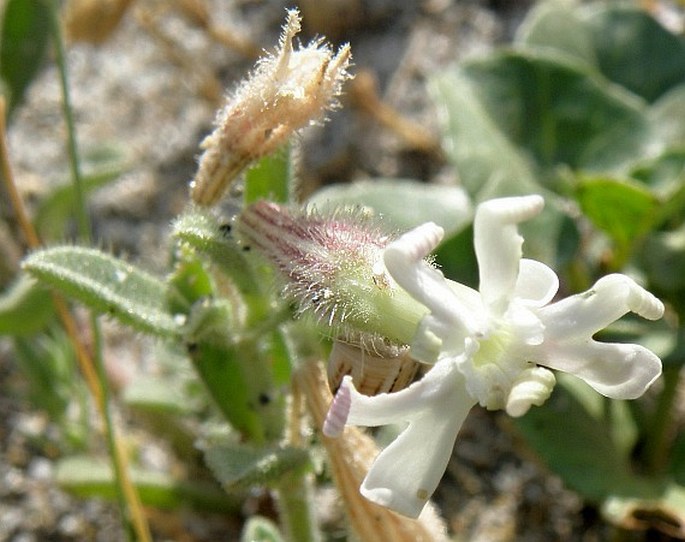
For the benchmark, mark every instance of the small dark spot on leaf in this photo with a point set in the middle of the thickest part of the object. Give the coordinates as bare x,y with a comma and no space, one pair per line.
225,229
192,348
246,248
264,399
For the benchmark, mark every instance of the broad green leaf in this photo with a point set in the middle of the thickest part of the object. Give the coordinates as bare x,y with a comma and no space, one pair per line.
488,164
570,433
23,44
25,308
556,111
403,203
57,208
624,210
666,121
635,51
238,466
259,529
270,178
623,43
558,25
664,174
107,285
663,259
87,477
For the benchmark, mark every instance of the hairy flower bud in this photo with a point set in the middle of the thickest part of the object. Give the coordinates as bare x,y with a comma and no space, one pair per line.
333,268
288,90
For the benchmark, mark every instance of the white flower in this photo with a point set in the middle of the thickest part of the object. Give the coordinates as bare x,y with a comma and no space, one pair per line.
494,346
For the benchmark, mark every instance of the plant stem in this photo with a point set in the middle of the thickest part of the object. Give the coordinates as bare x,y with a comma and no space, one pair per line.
295,489
658,443
133,519
81,208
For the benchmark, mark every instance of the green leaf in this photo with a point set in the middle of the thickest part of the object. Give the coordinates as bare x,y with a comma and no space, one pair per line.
447,206
259,529
155,394
23,45
663,259
25,308
556,111
623,43
489,165
666,121
87,477
48,364
558,26
635,51
238,466
208,237
238,380
107,285
570,433
270,178
624,210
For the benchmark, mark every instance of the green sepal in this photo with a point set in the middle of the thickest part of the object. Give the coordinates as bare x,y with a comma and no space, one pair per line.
107,285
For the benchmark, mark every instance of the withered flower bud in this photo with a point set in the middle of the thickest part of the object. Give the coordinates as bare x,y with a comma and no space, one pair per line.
287,91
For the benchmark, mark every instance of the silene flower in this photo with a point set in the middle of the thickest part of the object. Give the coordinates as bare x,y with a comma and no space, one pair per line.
494,347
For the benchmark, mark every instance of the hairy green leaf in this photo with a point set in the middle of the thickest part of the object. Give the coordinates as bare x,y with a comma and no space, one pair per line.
239,466
107,285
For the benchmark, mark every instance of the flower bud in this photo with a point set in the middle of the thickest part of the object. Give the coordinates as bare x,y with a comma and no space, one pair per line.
287,91
333,268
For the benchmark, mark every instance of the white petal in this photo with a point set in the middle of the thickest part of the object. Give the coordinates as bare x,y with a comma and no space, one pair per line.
619,371
404,405
532,387
404,260
405,474
584,314
537,284
498,246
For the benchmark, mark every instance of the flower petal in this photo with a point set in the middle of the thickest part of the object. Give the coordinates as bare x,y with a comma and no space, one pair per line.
619,371
405,474
532,387
537,283
404,405
498,246
404,260
582,315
